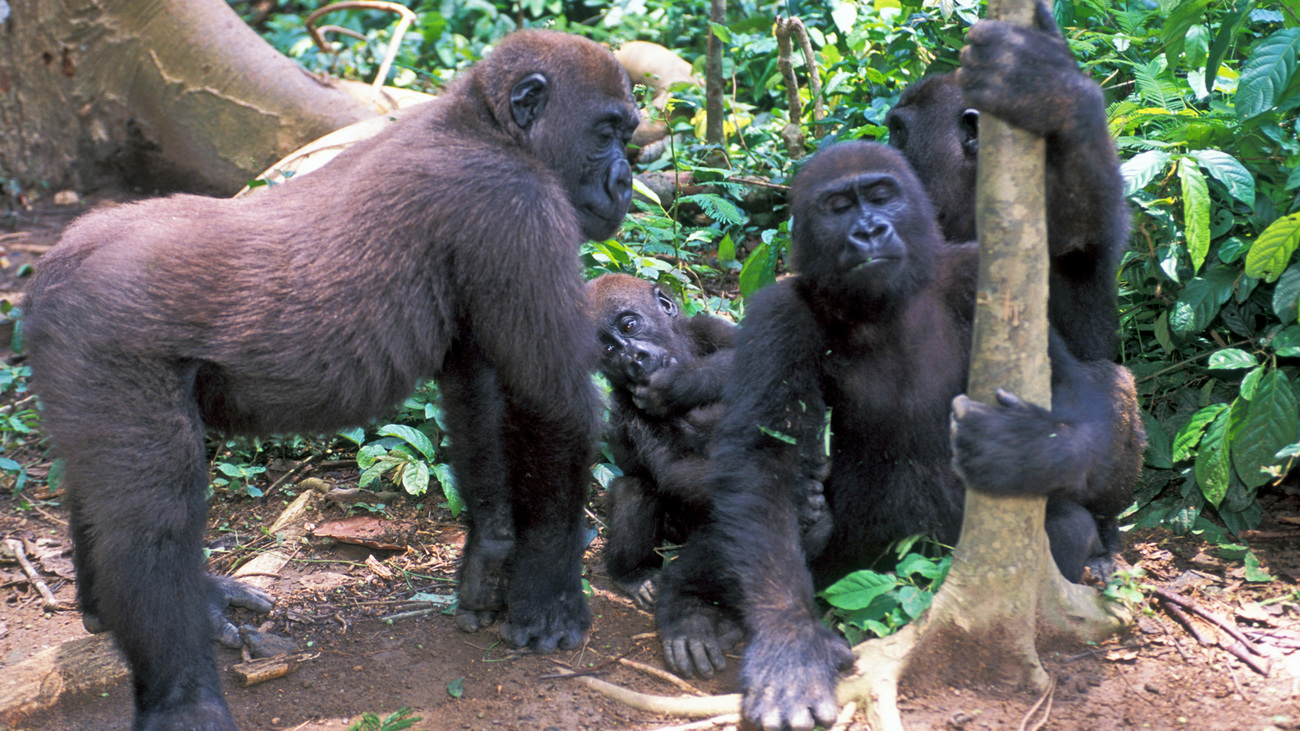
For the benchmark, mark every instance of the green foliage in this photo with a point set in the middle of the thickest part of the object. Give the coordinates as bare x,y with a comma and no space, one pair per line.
1208,294
871,604
405,452
398,720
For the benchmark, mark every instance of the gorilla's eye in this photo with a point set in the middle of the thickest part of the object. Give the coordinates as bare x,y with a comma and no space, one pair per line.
627,325
838,202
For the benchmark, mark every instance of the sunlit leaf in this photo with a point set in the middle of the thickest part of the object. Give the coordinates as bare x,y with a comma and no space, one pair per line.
1228,170
858,589
1142,168
1267,72
1269,255
1196,211
411,436
1231,359
1188,437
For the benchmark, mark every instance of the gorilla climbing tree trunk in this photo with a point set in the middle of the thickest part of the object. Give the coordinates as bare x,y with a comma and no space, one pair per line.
157,94
1004,594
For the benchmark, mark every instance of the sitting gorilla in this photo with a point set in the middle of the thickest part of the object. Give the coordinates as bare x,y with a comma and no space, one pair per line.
874,328
666,374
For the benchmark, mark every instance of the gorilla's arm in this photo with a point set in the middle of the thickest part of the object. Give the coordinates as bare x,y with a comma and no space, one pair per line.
687,384
1028,77
1085,450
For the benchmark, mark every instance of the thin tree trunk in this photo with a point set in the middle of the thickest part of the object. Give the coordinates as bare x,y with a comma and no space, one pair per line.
713,110
158,94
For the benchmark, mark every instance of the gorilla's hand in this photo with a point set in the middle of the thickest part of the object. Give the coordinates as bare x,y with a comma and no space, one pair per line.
1025,76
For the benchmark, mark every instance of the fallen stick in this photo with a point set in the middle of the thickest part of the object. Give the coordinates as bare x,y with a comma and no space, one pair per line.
701,707
48,602
726,719
663,675
1238,650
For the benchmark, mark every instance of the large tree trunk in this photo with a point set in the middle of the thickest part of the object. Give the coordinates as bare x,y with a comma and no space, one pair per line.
157,94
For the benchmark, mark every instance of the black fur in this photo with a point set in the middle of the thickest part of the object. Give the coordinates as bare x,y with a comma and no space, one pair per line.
875,329
444,247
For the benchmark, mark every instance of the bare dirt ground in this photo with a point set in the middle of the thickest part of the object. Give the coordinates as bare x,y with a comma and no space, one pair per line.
337,606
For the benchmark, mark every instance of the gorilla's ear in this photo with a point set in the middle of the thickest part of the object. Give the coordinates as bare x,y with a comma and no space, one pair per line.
666,303
528,99
970,127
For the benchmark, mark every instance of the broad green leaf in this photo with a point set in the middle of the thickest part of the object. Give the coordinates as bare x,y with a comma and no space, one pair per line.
757,272
456,688
844,16
1228,170
1190,434
355,434
913,601
1224,39
448,480
411,436
1267,72
1287,343
1141,169
1213,461
9,465
1159,449
858,589
721,31
1271,423
645,190
1200,301
1231,359
726,250
1196,211
1269,255
1286,295
415,478
914,564
1178,21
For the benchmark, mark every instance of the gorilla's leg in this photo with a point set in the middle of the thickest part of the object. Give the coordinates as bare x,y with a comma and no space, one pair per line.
634,516
475,413
550,443
1072,532
139,513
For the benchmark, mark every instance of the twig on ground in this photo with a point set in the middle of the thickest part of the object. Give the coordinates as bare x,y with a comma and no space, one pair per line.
663,675
297,469
1243,650
48,602
726,719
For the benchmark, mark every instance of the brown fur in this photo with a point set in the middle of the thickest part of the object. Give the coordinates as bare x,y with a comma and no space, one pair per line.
444,247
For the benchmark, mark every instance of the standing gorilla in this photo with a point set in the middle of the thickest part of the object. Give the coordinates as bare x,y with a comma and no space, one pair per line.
444,247
875,329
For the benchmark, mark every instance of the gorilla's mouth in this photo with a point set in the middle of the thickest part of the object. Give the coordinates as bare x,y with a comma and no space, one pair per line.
872,262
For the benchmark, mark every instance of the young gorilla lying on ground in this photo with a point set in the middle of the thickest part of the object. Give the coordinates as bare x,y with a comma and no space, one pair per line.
875,328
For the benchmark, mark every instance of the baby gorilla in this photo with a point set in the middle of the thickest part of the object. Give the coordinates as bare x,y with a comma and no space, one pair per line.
666,374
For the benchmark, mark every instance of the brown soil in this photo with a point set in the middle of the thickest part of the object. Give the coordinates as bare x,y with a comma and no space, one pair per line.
334,606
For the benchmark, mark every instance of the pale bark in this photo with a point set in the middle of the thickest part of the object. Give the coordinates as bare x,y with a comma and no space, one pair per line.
158,94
